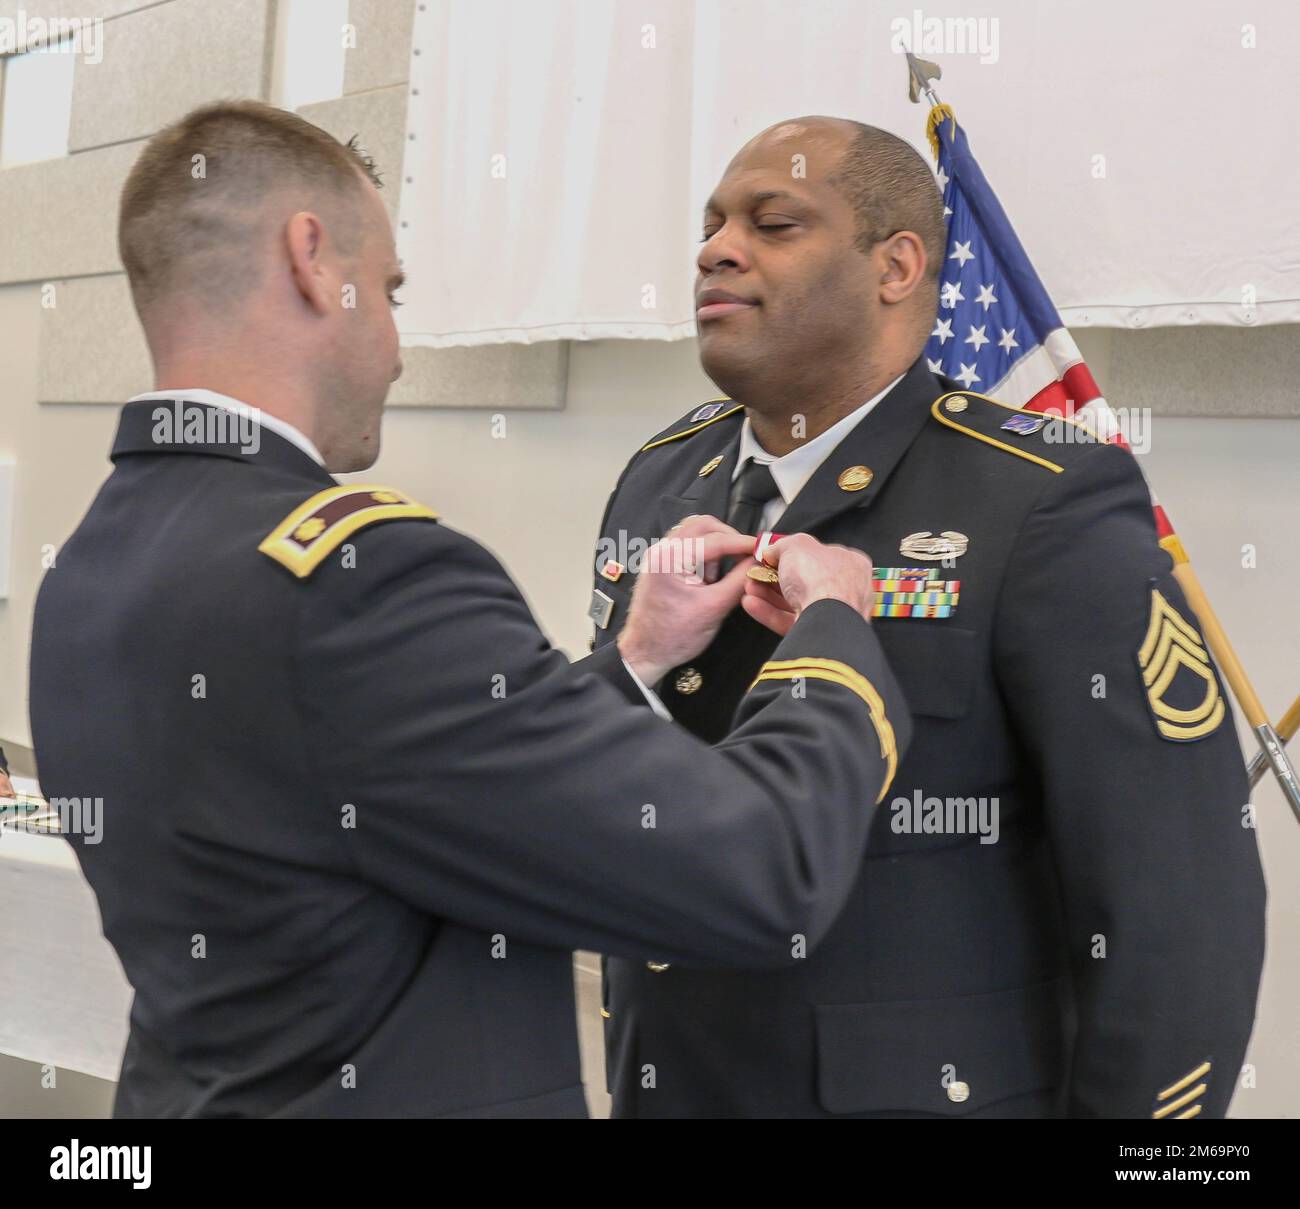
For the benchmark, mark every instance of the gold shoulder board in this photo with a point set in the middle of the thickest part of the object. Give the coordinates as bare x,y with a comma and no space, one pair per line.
319,525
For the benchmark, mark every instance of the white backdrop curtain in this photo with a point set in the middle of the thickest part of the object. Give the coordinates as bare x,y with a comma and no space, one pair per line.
559,152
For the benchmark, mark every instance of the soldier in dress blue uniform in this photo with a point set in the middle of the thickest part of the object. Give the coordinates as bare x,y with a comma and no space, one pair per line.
1061,909
356,812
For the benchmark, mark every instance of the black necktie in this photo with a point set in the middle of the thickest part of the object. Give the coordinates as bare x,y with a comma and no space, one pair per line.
749,495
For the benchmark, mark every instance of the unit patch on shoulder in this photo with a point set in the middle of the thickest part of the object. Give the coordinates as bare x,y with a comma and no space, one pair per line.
1181,687
321,524
1023,425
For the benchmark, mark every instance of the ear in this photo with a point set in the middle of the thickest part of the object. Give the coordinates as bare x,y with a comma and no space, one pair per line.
903,263
304,236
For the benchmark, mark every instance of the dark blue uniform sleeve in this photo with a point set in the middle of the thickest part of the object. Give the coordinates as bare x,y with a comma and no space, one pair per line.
497,785
608,663
1145,798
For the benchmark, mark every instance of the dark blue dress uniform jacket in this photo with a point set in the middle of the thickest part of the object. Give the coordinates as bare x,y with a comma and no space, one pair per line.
1102,957
357,812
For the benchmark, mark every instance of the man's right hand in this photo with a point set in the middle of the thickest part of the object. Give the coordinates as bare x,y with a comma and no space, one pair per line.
676,610
810,571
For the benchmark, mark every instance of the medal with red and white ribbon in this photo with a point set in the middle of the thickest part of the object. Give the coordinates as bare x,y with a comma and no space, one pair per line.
763,571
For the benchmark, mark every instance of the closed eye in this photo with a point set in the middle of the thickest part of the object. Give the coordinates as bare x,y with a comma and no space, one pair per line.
770,226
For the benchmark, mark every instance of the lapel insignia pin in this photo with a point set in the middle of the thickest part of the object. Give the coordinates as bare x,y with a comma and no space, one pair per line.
710,466
956,404
1023,426
612,571
601,608
855,478
707,412
932,549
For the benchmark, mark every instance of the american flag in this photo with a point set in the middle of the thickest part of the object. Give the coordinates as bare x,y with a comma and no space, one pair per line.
997,332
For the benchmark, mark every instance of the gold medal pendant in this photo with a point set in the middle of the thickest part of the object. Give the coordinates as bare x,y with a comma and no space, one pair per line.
761,572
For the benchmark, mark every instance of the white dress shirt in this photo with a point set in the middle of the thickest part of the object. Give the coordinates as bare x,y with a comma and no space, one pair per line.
274,424
793,470
652,698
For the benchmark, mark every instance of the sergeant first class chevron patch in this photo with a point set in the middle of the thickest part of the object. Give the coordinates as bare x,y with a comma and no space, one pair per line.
321,524
1182,689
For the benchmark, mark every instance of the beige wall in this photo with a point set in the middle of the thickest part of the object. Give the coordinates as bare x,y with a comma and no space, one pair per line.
575,413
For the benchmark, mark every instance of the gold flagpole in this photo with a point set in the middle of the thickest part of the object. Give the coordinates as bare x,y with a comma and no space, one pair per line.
1271,748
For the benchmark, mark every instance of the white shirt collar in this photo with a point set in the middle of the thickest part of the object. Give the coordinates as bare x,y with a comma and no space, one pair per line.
276,425
793,470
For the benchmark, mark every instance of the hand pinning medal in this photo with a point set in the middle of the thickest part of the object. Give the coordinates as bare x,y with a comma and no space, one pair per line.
762,571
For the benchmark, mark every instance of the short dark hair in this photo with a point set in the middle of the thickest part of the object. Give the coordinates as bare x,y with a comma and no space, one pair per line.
891,188
178,226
